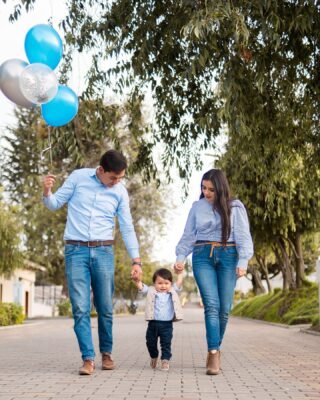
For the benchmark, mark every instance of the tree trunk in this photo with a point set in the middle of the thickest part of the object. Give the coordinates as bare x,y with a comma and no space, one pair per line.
299,260
263,266
287,271
257,285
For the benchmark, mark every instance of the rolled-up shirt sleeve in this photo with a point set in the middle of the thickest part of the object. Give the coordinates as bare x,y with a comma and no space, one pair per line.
176,288
188,239
242,235
126,226
62,195
144,289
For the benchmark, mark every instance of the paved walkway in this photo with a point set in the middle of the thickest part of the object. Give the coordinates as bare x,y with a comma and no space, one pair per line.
260,361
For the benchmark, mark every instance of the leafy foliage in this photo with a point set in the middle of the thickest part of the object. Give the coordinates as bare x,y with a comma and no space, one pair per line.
22,171
279,184
97,128
208,64
64,308
293,307
11,314
249,68
10,239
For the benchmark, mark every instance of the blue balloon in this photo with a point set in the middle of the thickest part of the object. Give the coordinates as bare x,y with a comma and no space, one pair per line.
43,45
62,108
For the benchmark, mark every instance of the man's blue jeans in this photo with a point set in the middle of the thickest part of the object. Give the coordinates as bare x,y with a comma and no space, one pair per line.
215,273
88,267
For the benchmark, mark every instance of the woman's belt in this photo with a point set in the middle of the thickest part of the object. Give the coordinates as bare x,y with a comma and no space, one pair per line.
214,244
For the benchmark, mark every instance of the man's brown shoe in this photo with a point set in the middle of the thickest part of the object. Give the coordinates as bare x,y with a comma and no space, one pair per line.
213,363
107,361
87,368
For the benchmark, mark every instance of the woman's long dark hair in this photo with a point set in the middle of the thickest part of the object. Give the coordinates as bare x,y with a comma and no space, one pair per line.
222,199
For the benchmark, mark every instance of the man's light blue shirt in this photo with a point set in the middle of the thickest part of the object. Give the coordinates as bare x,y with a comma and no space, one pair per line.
92,208
204,223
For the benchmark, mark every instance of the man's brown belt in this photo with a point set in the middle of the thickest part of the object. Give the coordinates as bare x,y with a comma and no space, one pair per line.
93,243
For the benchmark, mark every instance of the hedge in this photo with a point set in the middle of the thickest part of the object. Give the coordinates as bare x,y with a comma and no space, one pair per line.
11,314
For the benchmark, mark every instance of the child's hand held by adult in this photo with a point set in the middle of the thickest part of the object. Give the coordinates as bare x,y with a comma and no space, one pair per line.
178,267
136,271
241,272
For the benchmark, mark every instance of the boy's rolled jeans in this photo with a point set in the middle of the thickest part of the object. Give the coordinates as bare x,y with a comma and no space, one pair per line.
163,330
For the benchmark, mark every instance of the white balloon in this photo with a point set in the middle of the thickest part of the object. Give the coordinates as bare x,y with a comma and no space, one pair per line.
38,83
10,72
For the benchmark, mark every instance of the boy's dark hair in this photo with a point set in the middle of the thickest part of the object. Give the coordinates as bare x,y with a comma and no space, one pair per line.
113,160
164,273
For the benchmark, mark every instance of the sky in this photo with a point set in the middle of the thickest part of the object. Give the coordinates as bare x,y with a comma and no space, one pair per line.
12,41
13,47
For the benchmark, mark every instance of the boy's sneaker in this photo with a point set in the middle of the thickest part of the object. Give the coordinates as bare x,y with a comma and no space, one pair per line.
153,362
164,365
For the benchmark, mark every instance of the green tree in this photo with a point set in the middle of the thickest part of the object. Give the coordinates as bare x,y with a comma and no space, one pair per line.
147,208
248,67
280,189
23,167
10,239
97,128
189,284
208,64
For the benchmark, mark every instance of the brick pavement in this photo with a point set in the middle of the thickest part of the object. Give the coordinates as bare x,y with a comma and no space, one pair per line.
260,361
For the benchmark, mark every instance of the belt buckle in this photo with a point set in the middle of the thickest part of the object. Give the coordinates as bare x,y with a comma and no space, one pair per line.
91,245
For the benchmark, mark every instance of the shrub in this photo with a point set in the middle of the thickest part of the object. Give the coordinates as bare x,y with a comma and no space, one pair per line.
11,314
16,314
93,313
4,318
64,308
291,307
300,319
316,321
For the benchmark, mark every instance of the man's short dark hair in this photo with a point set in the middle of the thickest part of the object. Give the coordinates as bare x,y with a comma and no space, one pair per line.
113,160
164,273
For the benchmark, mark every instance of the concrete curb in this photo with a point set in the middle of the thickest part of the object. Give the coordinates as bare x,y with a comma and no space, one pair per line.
33,323
279,325
310,332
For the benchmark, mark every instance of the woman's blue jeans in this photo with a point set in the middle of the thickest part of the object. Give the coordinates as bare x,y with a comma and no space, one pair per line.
214,270
88,267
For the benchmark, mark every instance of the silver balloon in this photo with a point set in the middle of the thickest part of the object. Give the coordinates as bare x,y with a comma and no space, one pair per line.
38,83
10,72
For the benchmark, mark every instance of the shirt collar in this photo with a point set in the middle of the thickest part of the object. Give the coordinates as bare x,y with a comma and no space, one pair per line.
93,172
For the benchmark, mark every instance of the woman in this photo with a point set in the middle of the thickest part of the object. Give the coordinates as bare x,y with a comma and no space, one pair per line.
217,233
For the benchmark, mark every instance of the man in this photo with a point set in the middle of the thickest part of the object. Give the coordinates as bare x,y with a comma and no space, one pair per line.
95,197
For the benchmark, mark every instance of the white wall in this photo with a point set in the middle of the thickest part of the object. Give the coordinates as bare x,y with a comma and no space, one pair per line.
43,310
15,288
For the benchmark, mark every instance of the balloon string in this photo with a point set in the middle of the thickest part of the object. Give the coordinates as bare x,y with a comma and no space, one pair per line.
49,146
51,13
